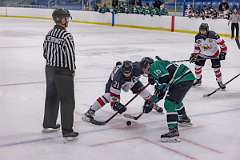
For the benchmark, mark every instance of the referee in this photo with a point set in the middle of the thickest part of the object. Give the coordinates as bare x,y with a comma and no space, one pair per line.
59,52
234,19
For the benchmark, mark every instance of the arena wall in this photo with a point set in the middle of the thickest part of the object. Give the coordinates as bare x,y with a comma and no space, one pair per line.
164,23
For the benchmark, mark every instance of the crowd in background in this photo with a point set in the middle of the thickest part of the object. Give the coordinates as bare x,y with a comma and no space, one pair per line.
208,11
135,7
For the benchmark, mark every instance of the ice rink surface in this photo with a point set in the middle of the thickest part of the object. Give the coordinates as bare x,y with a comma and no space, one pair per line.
215,134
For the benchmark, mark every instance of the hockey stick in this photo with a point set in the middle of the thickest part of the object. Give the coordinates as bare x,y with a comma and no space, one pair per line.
237,42
184,60
209,94
110,118
133,117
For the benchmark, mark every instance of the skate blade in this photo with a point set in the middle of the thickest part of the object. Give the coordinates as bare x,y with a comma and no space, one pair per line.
69,139
170,140
86,119
185,124
197,85
93,121
158,111
50,130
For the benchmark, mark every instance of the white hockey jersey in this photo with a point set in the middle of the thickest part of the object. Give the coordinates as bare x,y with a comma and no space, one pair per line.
210,45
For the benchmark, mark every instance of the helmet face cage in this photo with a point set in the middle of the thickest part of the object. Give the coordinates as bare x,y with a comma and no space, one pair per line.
145,64
59,14
127,68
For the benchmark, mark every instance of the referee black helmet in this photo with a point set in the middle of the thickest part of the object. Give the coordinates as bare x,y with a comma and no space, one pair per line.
59,14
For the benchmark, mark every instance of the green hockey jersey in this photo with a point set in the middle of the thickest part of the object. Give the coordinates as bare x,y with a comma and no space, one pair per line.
166,72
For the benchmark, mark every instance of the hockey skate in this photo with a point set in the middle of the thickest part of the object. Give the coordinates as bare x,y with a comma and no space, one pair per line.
70,136
171,137
89,116
197,82
221,85
51,129
184,121
157,108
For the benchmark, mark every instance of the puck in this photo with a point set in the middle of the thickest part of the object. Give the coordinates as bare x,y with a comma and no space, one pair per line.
128,123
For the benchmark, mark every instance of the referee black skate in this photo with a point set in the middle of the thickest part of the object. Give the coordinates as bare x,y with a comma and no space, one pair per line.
59,52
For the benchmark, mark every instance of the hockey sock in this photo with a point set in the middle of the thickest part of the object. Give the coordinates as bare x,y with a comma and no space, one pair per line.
180,109
100,102
198,71
172,115
218,74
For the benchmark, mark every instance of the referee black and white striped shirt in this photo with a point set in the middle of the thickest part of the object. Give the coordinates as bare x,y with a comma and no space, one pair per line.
59,49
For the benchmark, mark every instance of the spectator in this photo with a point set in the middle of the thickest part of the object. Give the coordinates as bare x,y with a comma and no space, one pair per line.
189,12
114,3
223,6
224,9
157,4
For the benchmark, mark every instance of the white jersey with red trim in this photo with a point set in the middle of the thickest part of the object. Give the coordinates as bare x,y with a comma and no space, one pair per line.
118,81
210,45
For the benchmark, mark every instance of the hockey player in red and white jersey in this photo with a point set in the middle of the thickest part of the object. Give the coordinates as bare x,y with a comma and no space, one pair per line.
123,77
208,45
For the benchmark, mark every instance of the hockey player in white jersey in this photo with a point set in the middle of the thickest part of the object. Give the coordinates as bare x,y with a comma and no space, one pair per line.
208,45
123,77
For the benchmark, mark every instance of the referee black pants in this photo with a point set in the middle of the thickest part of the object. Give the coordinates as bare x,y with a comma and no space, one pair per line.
59,92
235,26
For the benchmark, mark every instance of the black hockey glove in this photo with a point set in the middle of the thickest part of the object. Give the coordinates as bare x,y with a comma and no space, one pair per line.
159,92
222,56
151,80
193,58
119,107
148,106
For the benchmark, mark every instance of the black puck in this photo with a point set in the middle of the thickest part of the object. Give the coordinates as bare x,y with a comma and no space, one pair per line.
128,123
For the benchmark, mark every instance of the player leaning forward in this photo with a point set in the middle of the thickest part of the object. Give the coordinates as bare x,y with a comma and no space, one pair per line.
123,77
176,80
208,45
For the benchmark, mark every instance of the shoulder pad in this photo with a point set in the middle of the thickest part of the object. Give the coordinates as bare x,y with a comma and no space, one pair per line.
198,36
213,35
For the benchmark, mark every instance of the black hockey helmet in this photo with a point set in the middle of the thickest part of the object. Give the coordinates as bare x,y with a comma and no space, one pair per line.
204,27
145,61
59,14
127,68
145,64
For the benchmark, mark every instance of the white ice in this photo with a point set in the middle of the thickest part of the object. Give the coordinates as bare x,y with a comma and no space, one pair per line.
213,136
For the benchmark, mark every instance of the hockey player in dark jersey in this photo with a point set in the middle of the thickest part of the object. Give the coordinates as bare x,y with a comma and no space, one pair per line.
208,45
123,77
176,80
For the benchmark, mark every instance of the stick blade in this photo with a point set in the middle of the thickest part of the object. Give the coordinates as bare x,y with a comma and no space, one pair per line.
130,116
206,95
95,122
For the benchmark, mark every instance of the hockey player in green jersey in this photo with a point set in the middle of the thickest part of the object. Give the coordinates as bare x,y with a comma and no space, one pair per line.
176,80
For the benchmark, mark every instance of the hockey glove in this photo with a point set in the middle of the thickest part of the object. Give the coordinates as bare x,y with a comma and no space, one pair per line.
151,80
193,58
148,106
160,91
222,56
119,107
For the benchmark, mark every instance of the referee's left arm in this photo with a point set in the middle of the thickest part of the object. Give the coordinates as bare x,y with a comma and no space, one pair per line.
70,51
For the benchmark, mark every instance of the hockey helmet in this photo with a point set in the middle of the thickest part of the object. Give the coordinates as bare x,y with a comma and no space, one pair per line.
59,14
127,68
203,27
145,64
